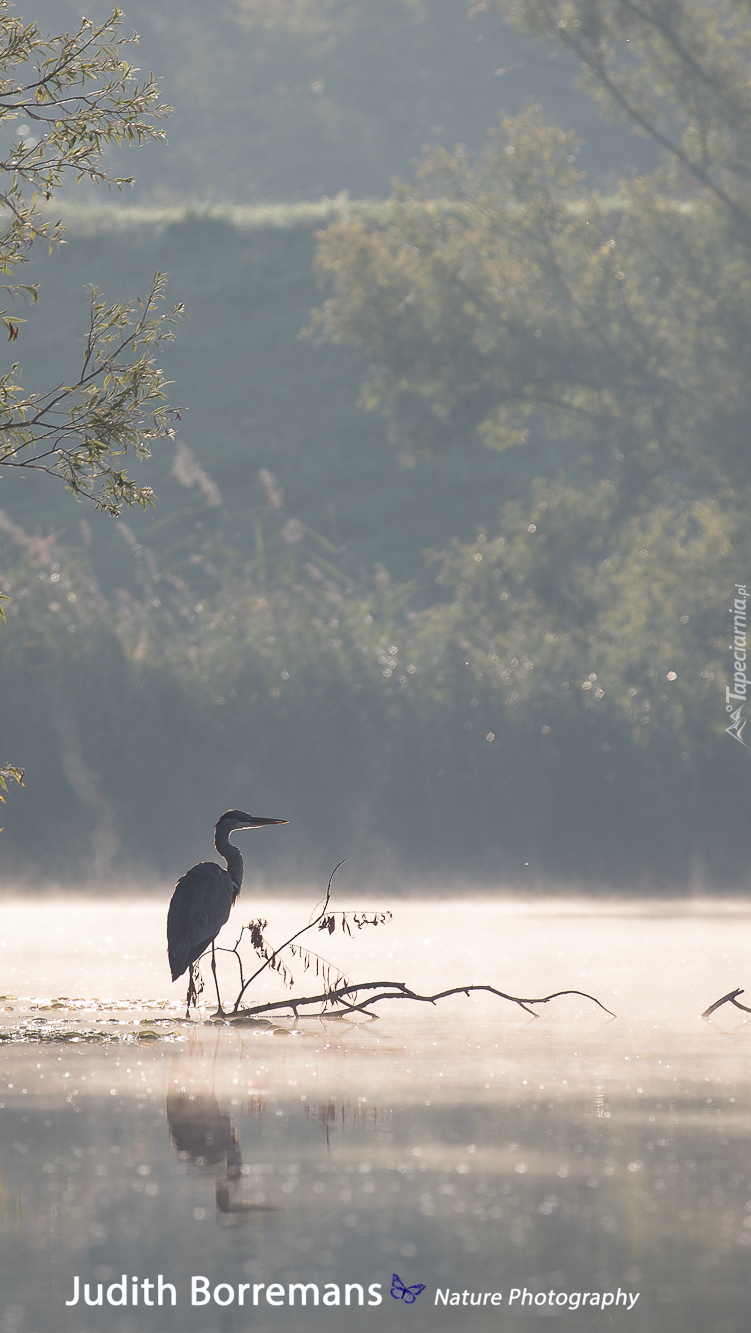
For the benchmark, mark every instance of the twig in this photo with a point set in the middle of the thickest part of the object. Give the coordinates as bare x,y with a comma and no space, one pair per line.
397,990
730,998
313,922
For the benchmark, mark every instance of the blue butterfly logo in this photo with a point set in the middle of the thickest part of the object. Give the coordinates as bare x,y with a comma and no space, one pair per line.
407,1294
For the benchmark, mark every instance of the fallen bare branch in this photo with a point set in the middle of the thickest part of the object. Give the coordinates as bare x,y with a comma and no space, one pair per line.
730,998
395,990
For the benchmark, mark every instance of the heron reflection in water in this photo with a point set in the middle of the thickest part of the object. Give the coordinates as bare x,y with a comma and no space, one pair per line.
202,901
204,1134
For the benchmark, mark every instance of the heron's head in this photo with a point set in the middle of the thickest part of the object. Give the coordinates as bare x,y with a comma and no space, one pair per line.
237,819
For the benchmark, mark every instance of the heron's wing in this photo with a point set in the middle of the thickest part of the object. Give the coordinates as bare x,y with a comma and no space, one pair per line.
199,908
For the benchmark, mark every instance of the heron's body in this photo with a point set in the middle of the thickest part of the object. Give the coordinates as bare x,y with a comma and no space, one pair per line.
204,896
199,908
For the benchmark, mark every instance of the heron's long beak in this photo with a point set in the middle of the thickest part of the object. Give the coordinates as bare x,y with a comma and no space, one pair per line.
259,823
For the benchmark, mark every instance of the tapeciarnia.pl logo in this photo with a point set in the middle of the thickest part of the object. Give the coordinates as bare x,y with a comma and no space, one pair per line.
740,681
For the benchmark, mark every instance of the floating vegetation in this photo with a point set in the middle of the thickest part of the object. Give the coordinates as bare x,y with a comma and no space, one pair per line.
76,1021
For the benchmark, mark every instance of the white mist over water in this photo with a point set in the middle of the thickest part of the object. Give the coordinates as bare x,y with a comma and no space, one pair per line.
645,959
464,1145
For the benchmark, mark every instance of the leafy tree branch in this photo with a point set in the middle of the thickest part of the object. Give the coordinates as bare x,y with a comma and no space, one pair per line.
66,99
81,96
80,431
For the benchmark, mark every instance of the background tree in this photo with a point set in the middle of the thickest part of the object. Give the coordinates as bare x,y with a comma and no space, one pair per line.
683,81
503,296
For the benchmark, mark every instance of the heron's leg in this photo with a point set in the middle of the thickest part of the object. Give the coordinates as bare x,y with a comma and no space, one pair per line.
220,1011
192,994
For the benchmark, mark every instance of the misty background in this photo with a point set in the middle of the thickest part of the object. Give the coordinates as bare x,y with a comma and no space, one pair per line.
275,634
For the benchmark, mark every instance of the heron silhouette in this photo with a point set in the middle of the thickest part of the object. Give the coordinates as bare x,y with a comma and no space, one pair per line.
203,899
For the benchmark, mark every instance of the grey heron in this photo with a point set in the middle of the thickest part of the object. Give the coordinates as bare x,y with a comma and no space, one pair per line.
203,898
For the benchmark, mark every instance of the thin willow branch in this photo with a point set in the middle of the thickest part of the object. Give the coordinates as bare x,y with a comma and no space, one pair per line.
292,937
313,922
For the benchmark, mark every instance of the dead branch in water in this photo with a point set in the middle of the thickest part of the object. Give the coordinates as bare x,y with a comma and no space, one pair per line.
395,990
341,997
730,998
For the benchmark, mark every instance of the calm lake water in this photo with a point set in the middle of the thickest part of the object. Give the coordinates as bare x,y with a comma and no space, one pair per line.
466,1147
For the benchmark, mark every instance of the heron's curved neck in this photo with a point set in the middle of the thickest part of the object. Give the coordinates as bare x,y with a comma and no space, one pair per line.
231,855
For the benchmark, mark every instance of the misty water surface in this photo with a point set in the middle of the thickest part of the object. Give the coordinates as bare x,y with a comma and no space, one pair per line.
465,1147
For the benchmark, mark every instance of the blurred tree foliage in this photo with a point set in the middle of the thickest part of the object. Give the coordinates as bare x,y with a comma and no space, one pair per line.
63,101
355,715
504,293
